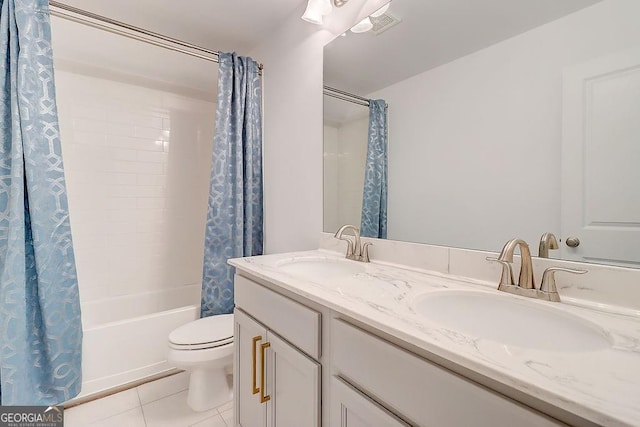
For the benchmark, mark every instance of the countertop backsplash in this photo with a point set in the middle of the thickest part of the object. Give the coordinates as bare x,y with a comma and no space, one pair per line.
601,288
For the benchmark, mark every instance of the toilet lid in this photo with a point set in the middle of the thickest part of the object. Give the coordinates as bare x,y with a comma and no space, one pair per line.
203,333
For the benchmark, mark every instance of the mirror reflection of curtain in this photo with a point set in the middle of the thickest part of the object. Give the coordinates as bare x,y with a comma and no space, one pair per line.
374,200
41,331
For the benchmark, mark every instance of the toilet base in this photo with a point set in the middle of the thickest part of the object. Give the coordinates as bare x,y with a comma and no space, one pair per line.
208,389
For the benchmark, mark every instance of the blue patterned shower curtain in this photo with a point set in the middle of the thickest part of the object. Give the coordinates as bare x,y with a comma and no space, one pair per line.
234,215
40,330
374,200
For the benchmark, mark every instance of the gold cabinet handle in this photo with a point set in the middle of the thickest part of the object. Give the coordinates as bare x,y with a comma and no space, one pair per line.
254,341
263,398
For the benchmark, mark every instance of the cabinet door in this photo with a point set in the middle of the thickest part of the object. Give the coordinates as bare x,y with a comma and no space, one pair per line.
293,385
249,335
350,408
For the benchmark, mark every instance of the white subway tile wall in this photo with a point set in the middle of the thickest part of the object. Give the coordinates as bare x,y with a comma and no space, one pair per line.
137,164
345,155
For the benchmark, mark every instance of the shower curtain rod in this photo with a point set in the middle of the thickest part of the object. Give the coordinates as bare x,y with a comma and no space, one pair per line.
117,27
346,96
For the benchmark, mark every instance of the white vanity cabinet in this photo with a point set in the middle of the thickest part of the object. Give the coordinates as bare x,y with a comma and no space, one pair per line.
275,382
420,392
248,366
369,381
350,408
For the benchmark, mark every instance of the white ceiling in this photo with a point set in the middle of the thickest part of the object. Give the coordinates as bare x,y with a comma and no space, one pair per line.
216,24
432,33
94,52
225,25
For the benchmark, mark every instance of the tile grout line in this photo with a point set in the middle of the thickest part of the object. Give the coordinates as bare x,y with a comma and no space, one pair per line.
120,389
221,417
210,418
160,398
217,415
144,417
112,415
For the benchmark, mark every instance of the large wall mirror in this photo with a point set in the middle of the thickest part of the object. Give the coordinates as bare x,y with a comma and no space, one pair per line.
506,118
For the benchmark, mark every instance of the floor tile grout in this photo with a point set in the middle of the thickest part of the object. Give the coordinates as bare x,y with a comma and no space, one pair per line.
217,415
144,418
163,397
110,415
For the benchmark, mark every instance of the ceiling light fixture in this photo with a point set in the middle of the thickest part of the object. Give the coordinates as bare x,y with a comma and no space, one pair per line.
362,26
380,11
366,24
316,9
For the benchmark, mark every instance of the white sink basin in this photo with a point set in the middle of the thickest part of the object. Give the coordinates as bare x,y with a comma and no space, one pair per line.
319,268
510,321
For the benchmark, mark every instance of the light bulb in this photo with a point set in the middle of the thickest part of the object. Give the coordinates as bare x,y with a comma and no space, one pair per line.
362,26
316,9
312,13
324,6
380,11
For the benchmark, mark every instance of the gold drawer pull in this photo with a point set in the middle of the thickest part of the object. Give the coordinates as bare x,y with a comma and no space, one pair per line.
263,398
254,341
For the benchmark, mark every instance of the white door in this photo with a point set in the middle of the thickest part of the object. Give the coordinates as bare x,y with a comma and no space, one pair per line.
293,386
349,408
601,160
249,336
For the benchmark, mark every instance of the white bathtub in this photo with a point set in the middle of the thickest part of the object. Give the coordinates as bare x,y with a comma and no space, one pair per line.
125,338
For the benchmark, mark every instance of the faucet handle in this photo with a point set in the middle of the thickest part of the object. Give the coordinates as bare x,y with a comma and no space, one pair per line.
350,247
507,273
364,256
548,284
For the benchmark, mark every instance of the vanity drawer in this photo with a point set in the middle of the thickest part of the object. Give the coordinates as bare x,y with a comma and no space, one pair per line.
293,321
419,390
350,408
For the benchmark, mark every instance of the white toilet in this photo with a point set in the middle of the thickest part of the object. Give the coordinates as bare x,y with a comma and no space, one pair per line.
204,347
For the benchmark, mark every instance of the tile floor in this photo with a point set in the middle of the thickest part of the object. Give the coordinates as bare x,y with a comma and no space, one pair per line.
161,403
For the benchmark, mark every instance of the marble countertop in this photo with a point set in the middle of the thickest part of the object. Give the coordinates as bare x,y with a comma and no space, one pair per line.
601,386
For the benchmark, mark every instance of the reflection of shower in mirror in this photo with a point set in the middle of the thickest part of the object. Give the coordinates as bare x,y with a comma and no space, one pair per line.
485,130
355,165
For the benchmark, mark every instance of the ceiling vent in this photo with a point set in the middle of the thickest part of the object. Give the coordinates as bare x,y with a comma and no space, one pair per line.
383,22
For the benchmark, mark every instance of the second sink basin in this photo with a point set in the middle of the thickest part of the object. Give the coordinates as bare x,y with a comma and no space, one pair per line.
510,321
320,268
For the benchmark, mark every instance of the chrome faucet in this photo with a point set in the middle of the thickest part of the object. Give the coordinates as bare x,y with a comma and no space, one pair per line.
356,250
526,286
547,241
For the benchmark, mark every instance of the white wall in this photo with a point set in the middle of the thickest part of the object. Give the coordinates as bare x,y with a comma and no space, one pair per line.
137,165
474,145
293,125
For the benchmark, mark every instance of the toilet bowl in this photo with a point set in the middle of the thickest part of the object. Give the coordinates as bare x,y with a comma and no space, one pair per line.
204,348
